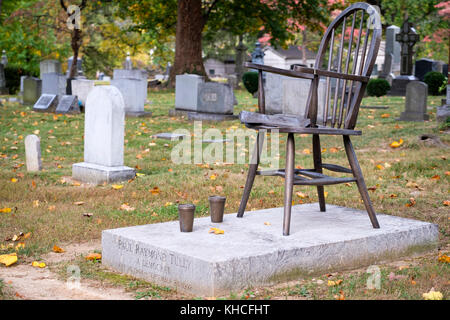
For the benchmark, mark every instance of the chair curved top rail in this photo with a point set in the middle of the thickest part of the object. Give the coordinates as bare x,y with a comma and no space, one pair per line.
346,80
360,59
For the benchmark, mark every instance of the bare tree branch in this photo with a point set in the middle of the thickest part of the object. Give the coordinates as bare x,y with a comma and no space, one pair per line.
208,11
63,5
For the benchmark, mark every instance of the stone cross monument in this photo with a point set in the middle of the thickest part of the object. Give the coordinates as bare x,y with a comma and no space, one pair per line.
407,38
258,54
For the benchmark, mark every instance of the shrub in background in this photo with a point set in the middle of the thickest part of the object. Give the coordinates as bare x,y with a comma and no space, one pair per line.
378,87
434,80
250,80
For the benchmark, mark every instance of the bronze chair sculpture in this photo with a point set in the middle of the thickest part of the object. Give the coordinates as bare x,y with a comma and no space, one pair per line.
340,110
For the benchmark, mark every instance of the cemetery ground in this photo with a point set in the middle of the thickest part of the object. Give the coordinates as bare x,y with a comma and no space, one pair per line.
49,209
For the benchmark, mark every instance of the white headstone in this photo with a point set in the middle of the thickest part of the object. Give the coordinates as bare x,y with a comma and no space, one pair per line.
81,88
103,138
186,91
33,153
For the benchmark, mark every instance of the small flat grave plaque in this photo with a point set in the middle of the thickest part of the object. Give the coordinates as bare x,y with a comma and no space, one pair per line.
46,103
169,136
68,104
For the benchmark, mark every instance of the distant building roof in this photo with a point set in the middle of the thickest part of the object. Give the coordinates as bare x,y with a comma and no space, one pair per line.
292,52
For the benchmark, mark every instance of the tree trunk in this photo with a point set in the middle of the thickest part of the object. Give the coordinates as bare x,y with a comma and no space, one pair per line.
75,44
188,43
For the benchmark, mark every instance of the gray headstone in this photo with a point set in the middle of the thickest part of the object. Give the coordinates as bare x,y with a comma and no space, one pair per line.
81,88
131,90
286,95
3,89
134,74
215,97
49,66
54,83
68,104
416,102
46,103
186,91
103,138
32,89
22,78
443,113
448,94
170,136
392,49
33,153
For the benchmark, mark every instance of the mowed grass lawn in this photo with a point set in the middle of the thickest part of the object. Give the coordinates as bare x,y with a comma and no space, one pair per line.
411,181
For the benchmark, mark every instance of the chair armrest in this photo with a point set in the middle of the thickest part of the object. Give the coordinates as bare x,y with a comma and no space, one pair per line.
331,74
284,72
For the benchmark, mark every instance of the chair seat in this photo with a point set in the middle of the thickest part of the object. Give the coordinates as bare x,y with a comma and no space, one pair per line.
288,124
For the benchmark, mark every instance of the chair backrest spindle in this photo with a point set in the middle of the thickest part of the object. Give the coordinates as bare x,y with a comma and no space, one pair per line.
346,95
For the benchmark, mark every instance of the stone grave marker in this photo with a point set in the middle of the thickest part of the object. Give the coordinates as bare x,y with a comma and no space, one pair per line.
3,88
407,39
186,91
103,138
81,89
46,103
32,88
33,153
416,102
134,74
68,104
49,66
131,90
170,136
286,95
392,52
215,97
424,65
54,83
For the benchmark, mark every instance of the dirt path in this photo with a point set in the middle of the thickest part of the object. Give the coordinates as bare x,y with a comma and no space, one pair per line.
28,282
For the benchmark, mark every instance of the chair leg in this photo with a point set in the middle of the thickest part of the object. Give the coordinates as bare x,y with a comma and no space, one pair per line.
360,181
288,183
317,153
253,167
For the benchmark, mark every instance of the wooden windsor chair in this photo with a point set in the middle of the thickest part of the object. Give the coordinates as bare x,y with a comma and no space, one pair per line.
346,81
